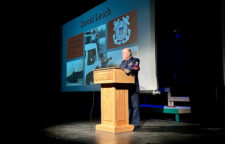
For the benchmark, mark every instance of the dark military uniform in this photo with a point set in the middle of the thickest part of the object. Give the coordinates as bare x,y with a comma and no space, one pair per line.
133,66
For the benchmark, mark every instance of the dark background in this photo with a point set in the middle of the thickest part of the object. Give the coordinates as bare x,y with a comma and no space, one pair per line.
190,65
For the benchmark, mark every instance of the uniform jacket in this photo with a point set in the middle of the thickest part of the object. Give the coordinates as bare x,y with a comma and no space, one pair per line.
133,65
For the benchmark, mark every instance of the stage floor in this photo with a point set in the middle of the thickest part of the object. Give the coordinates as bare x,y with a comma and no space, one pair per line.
153,131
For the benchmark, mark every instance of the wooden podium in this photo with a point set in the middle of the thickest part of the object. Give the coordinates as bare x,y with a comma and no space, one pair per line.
114,99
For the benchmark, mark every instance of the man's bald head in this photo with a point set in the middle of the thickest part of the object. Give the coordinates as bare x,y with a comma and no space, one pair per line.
126,53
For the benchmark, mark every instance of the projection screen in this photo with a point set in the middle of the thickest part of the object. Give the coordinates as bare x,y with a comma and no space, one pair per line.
96,39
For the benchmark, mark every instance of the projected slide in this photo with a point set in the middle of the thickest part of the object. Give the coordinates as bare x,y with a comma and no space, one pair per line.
122,30
96,39
74,74
95,51
75,47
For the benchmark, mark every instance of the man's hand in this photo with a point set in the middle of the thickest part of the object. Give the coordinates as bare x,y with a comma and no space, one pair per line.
127,71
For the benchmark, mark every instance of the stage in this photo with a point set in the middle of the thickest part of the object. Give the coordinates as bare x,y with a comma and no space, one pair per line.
151,131
189,59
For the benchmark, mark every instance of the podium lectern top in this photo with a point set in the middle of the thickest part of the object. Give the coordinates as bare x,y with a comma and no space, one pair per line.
112,75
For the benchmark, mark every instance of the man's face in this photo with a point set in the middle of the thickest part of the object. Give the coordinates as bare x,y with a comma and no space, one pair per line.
126,54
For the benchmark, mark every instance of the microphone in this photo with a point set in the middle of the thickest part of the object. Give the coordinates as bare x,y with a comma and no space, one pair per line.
106,60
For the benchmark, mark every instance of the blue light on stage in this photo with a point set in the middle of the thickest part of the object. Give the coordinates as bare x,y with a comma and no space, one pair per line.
177,36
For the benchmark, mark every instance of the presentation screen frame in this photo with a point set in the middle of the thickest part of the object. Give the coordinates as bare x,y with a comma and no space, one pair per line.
96,39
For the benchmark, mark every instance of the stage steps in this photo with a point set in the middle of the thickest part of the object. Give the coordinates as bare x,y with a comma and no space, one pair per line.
171,108
177,110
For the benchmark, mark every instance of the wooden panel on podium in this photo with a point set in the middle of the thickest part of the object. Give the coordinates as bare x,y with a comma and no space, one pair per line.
114,99
112,75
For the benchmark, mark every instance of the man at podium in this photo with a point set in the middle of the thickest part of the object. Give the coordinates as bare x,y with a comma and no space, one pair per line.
131,67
